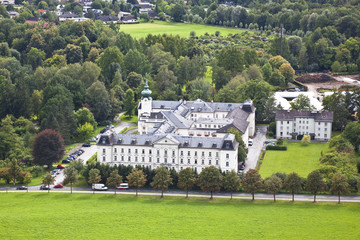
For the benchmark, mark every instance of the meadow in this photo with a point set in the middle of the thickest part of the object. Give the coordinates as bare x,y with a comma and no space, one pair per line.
182,29
104,216
298,158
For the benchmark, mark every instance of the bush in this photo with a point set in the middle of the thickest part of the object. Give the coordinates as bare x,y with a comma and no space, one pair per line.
305,141
272,127
278,148
36,171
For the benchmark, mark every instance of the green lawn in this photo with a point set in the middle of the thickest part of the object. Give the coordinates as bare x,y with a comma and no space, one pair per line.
181,29
125,118
100,216
298,158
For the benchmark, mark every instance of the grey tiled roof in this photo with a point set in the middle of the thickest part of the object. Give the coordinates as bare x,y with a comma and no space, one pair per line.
183,141
317,115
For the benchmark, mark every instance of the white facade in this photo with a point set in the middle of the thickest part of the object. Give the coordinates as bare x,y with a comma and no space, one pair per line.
290,124
168,151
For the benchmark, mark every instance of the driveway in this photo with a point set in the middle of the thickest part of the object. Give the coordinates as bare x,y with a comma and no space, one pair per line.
255,149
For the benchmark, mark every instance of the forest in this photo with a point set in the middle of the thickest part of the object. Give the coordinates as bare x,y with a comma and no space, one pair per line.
73,76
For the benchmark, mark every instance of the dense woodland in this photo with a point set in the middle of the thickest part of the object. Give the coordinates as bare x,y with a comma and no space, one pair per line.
71,77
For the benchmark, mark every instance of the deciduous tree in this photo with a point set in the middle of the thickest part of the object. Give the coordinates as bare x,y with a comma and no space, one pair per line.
315,183
14,170
210,180
273,185
252,182
129,103
48,147
94,177
47,180
186,180
292,184
71,176
136,179
232,182
114,180
162,180
339,185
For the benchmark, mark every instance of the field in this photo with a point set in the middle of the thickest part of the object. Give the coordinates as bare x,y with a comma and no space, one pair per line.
102,216
298,158
181,29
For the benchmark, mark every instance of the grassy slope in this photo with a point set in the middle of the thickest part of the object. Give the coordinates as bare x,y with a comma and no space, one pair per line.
88,216
181,29
298,158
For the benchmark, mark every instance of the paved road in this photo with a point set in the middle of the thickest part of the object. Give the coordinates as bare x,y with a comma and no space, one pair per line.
263,196
255,149
90,151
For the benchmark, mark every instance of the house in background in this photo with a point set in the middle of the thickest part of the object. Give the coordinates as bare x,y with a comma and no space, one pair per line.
293,124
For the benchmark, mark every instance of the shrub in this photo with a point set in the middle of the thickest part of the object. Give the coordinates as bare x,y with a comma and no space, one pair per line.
278,148
305,141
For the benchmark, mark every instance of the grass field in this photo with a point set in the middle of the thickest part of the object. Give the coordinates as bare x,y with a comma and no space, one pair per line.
181,29
298,158
87,216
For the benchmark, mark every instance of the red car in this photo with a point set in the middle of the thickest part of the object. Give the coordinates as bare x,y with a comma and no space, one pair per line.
60,166
58,186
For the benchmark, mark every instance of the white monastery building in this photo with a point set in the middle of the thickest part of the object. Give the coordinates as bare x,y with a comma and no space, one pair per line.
293,124
181,134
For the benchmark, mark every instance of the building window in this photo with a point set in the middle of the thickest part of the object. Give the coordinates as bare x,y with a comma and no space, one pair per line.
202,162
319,129
209,162
122,150
195,161
115,158
165,152
325,129
181,161
158,160
227,155
149,159
173,153
188,153
227,164
181,168
203,154
149,151
143,151
325,135
287,122
115,150
136,159
103,158
189,161
143,159
173,160
158,152
318,123
209,154
181,153
217,162
217,154
165,160
122,158
195,153
325,124
281,122
136,151
104,151
129,150
129,159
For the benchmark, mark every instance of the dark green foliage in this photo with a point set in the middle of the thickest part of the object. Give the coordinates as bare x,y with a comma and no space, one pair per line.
279,148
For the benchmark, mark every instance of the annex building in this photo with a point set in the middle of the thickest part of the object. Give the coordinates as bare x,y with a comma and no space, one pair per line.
181,134
293,124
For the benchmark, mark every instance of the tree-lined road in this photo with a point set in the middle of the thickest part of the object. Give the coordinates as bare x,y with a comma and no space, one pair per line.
260,196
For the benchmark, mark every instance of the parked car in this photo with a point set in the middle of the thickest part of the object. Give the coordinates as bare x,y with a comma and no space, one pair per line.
103,130
66,161
250,142
87,144
99,187
123,186
58,186
21,188
44,188
94,139
60,166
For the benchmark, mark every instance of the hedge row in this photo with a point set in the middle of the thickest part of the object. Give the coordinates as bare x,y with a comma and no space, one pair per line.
279,148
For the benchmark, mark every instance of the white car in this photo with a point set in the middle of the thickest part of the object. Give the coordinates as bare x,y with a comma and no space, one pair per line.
250,142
